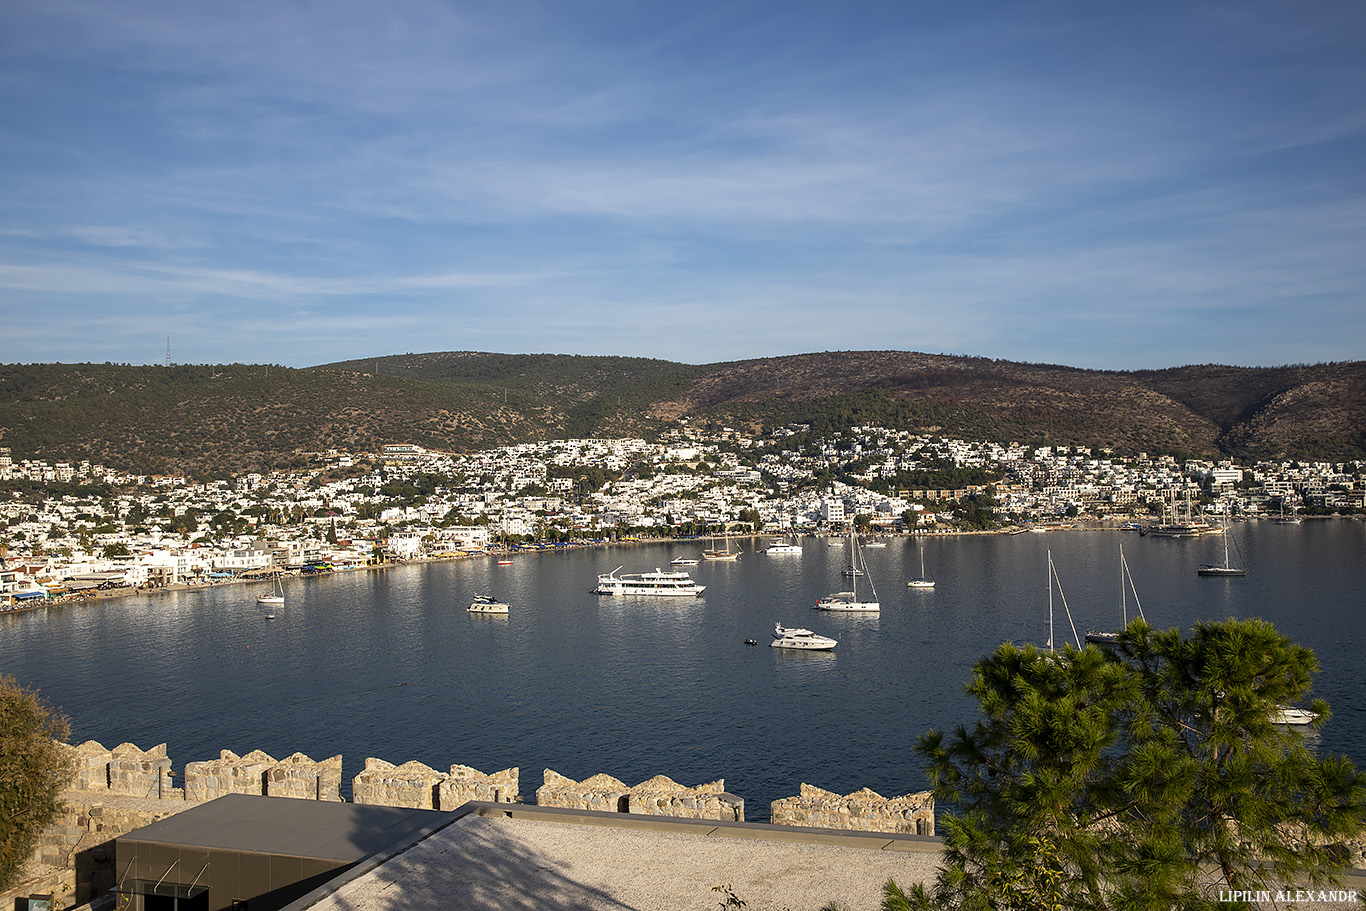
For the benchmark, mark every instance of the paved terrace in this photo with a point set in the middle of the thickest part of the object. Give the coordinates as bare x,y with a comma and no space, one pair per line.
500,857
522,858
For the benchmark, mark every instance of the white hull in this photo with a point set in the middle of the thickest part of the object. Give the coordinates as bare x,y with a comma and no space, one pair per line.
654,585
483,604
270,599
783,549
801,639
920,583
1290,715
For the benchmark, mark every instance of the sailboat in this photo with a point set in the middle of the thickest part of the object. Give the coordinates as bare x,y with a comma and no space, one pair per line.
1227,570
1126,585
921,581
1053,577
273,597
849,601
711,553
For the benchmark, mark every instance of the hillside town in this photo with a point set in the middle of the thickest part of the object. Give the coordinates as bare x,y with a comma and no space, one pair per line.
72,530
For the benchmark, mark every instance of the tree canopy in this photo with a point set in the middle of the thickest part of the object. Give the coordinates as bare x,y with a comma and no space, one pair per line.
34,770
1147,775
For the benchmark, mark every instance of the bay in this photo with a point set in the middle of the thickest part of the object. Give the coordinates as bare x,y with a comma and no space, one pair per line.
390,664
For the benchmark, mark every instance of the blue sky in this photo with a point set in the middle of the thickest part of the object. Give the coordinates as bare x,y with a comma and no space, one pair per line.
1116,186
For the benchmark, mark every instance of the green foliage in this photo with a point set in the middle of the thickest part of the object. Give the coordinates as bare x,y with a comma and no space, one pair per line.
34,770
1149,776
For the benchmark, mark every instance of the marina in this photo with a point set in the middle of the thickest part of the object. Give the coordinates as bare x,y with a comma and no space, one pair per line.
391,664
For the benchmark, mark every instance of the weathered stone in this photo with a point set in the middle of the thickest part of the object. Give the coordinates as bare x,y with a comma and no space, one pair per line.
139,773
464,784
300,777
864,810
228,774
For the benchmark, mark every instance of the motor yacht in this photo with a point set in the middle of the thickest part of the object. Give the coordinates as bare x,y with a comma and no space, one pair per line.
802,639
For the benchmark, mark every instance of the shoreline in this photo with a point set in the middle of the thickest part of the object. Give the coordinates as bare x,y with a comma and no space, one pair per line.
1115,524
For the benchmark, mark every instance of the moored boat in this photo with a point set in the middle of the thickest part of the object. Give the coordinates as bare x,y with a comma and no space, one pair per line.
487,604
801,639
657,583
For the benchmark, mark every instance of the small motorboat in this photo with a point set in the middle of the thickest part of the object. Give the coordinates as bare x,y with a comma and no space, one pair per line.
487,604
751,642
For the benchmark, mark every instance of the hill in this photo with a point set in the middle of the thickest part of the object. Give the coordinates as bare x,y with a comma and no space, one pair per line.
227,419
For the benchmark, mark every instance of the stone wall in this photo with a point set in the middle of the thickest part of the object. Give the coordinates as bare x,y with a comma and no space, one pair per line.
464,784
300,777
660,796
228,774
74,859
416,785
862,811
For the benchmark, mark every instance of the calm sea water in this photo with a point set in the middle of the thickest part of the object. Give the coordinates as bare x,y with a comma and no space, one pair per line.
390,664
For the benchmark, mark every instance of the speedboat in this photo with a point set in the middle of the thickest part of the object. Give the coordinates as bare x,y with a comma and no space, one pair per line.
487,604
1288,714
683,561
802,639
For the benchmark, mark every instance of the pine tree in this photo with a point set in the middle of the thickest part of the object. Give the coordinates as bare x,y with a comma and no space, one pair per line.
1150,775
34,770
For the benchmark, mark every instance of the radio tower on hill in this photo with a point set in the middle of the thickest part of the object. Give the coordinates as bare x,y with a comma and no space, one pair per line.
168,351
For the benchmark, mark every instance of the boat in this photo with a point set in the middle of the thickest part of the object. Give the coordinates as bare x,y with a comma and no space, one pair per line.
487,604
1126,585
683,561
1227,570
920,581
712,553
802,639
657,583
1053,578
1288,714
275,596
877,542
504,562
1175,526
783,547
849,601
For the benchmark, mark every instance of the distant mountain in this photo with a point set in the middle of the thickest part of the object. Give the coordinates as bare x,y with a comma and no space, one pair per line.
232,418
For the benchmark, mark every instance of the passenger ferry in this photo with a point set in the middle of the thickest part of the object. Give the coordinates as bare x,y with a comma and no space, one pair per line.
653,584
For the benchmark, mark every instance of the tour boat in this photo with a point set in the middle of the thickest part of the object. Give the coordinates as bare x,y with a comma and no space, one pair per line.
487,604
800,639
678,585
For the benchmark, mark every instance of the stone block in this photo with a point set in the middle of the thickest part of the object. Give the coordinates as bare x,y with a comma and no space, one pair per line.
464,784
139,773
864,810
412,784
228,774
300,777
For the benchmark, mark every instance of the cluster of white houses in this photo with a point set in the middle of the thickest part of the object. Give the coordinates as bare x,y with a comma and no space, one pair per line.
154,531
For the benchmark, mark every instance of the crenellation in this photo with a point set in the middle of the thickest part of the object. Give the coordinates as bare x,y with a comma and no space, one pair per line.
228,774
140,773
864,811
300,777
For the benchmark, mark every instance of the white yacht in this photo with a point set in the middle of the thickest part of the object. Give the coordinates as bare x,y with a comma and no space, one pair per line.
800,639
921,581
783,547
678,585
1288,714
487,604
849,601
683,561
274,597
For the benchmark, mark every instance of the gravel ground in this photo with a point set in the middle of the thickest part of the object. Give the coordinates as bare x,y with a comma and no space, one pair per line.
510,865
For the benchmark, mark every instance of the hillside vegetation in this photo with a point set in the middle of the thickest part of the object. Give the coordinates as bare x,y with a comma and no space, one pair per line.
232,418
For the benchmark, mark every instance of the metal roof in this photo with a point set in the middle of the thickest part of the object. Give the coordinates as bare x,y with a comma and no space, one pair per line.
289,827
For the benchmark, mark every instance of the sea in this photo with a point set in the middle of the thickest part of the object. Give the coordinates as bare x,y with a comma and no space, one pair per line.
390,664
